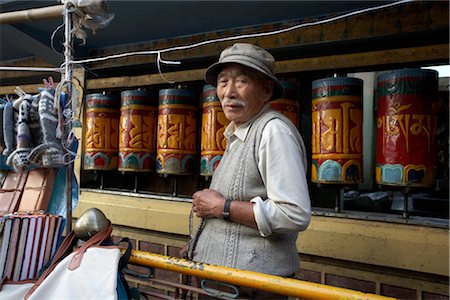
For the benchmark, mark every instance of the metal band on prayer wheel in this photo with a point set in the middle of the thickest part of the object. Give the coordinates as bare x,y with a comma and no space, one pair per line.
102,132
137,143
337,130
177,127
406,127
288,103
213,125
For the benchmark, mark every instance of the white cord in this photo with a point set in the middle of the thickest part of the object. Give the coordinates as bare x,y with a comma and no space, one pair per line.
189,46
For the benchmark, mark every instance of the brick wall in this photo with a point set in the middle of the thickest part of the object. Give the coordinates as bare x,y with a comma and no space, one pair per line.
345,275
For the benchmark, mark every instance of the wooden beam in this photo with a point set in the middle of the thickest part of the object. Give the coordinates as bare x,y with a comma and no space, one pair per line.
424,54
359,60
412,18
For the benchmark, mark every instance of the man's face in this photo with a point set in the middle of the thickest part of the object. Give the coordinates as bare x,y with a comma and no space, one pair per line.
242,92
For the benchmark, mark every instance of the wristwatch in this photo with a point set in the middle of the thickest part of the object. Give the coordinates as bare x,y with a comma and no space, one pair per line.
226,210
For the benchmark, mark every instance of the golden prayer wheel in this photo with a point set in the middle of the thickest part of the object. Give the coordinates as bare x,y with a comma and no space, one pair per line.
337,130
177,130
137,143
213,142
288,103
406,127
102,132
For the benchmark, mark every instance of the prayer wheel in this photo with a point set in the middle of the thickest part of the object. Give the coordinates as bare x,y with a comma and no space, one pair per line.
137,143
213,142
102,132
406,127
337,130
177,127
288,103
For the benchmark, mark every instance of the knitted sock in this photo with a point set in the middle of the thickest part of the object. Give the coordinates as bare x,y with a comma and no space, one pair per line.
8,129
49,153
33,123
18,159
2,140
3,165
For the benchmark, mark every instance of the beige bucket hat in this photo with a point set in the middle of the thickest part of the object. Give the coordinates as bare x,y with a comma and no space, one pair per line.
248,55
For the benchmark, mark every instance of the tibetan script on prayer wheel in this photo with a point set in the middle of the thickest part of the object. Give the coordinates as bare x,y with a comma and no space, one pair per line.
337,130
177,127
102,132
137,143
288,103
213,142
406,127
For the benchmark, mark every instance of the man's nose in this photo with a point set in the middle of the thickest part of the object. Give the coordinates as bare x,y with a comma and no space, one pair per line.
230,91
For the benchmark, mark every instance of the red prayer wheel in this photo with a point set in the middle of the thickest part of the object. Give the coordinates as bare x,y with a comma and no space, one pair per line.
177,127
337,130
288,103
102,132
213,142
406,127
137,143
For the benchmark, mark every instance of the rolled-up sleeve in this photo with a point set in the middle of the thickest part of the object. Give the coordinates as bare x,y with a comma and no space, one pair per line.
282,160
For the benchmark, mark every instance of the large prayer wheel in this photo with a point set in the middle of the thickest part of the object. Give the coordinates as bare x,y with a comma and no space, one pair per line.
102,132
406,127
337,130
288,103
137,143
213,142
177,127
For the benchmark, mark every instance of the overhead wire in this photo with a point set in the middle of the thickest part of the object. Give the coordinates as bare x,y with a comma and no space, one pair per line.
206,42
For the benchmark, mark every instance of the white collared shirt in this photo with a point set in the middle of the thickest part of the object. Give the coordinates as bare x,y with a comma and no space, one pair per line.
282,165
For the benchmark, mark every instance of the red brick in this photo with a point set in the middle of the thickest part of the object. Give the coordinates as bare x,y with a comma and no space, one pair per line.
398,292
151,247
432,296
309,275
173,251
117,239
350,283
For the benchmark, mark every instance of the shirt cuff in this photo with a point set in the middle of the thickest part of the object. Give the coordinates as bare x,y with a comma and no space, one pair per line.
260,217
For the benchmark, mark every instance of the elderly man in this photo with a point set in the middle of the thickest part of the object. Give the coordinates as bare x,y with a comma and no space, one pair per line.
258,199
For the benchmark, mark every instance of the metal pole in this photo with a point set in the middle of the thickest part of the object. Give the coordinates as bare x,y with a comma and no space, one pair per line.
33,14
269,283
68,125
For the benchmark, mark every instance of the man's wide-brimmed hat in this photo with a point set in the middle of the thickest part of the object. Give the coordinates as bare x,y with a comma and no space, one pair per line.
248,55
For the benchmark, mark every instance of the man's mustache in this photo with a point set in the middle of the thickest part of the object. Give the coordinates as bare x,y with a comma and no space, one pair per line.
233,102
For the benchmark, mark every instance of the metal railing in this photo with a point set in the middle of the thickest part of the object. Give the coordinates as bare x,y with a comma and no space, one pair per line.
235,277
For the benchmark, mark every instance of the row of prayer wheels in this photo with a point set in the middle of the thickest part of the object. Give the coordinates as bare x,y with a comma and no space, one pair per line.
158,132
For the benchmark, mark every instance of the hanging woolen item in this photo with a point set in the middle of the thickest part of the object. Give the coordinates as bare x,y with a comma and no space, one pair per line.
102,132
337,130
177,127
213,142
18,159
137,142
9,134
406,127
50,152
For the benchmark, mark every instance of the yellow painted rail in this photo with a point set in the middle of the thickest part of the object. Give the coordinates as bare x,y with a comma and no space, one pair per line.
269,283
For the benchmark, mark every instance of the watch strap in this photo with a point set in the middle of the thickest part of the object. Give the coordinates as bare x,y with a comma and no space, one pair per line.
226,210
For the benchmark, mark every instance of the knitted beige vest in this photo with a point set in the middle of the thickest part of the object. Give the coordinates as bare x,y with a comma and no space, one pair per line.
234,245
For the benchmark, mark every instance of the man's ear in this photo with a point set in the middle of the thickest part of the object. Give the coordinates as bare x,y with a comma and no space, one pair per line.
268,89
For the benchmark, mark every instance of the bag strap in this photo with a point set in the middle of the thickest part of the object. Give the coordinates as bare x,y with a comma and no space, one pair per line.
96,240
